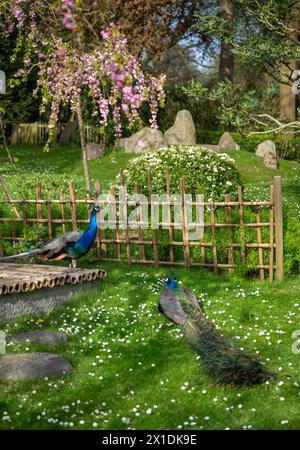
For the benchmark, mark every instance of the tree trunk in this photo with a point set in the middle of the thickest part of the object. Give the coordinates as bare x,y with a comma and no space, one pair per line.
226,64
67,132
83,147
287,100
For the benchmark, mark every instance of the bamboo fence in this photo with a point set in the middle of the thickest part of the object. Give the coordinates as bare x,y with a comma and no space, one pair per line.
143,245
37,133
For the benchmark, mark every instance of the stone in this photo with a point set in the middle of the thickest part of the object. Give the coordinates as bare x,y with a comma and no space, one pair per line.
267,150
94,151
270,160
145,140
29,366
265,147
183,131
227,142
39,337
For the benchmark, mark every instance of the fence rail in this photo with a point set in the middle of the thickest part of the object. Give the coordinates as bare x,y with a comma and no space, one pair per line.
148,246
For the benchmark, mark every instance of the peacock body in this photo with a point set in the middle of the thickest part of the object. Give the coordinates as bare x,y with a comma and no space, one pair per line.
226,364
70,246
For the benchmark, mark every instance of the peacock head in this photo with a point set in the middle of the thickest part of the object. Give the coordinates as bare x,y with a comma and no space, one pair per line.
170,281
95,209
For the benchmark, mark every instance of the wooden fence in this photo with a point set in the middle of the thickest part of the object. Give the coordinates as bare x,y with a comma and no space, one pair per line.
145,245
37,133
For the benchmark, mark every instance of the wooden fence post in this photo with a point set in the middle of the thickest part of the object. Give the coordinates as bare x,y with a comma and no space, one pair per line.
185,239
38,202
271,260
7,193
278,228
73,205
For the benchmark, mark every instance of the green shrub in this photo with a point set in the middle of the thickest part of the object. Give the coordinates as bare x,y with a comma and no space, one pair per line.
208,136
205,172
292,247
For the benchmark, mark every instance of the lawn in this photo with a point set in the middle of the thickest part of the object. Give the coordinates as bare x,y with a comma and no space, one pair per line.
134,369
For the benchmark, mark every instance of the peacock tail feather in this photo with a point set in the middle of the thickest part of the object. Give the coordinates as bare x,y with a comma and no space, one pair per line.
226,364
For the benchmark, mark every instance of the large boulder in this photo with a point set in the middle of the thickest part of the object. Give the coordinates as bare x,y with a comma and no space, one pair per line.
28,366
267,150
183,131
145,140
94,151
227,142
265,147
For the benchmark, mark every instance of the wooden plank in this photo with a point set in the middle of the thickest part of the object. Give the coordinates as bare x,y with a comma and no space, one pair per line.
278,227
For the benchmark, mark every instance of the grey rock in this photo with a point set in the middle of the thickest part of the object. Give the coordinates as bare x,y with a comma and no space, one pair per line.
94,151
267,150
145,140
183,131
39,337
270,160
29,366
227,142
264,147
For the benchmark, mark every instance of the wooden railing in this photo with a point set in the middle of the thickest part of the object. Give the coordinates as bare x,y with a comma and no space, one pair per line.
170,246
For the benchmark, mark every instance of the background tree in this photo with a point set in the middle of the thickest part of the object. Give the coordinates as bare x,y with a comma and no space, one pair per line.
264,37
226,64
71,68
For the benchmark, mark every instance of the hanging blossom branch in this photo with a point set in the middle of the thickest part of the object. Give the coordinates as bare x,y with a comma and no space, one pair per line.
110,75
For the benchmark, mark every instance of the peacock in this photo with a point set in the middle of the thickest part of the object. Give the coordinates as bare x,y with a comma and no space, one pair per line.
226,364
71,246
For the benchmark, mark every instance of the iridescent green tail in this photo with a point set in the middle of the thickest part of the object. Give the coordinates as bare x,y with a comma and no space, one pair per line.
225,363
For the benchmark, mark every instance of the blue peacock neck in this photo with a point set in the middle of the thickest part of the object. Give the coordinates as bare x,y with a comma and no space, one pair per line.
171,284
89,235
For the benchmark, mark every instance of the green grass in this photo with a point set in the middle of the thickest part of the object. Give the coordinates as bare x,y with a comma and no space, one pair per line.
34,161
257,179
128,358
136,360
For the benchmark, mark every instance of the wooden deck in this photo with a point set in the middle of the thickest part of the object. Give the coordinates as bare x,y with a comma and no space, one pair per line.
21,278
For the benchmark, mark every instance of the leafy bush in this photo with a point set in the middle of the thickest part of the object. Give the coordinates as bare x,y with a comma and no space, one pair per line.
292,247
205,172
208,136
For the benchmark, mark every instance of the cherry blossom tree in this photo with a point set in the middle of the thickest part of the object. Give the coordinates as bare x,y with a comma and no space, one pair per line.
71,68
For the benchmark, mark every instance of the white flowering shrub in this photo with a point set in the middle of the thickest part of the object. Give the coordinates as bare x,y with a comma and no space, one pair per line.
205,172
